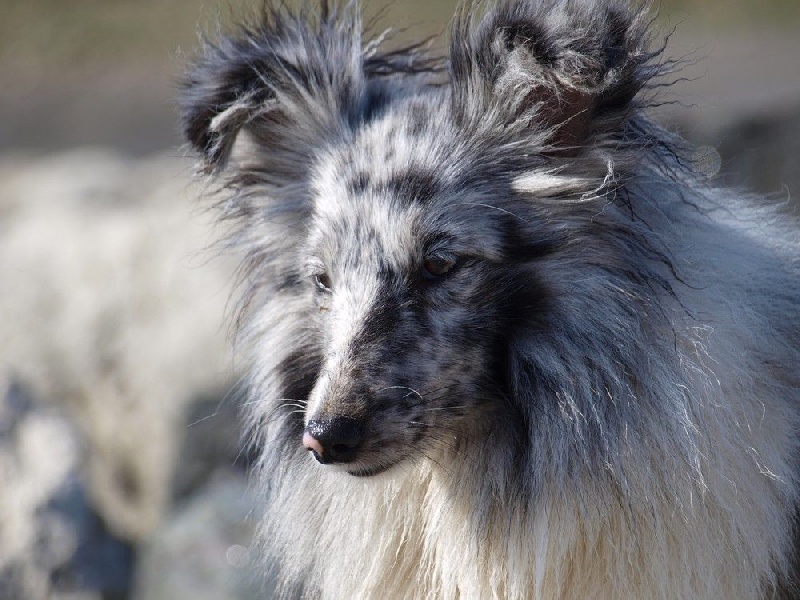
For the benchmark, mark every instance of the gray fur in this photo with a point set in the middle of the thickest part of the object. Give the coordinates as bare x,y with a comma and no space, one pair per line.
600,399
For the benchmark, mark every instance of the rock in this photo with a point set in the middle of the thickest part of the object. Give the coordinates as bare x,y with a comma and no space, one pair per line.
98,561
15,405
52,541
116,315
212,440
203,551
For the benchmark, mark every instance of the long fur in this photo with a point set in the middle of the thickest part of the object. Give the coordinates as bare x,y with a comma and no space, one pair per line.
598,398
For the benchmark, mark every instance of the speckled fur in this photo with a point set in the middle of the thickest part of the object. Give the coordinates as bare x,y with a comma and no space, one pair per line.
600,400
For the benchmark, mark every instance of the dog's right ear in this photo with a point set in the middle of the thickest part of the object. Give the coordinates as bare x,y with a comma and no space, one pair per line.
292,79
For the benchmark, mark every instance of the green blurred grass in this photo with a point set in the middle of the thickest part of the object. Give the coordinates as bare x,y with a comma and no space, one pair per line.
53,35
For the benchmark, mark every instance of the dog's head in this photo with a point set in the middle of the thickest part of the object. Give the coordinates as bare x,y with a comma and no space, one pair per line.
413,226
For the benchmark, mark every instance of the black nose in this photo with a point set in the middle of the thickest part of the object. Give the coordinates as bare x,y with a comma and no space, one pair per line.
334,440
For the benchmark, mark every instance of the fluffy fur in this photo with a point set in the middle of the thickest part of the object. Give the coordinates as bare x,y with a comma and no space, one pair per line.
573,366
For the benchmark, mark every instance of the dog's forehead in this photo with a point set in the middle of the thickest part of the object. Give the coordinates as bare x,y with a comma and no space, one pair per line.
376,184
399,152
399,181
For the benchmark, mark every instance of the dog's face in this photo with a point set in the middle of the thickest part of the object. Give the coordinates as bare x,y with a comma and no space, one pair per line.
413,280
411,207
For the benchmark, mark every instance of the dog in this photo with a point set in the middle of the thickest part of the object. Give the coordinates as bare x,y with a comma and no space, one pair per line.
505,343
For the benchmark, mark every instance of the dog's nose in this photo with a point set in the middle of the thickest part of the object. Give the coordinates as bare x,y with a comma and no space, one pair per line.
334,440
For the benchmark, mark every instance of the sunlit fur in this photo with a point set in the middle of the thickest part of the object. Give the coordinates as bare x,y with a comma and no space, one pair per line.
599,400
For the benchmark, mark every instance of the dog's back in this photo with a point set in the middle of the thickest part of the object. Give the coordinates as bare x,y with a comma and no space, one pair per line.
535,355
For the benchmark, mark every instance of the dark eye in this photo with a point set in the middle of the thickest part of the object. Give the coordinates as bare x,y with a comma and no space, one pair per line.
438,265
322,281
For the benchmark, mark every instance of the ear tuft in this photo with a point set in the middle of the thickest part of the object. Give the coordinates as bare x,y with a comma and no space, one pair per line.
296,80
533,38
221,93
292,73
564,68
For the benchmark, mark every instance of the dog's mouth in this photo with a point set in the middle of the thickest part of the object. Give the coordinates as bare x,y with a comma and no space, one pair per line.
351,468
340,445
371,471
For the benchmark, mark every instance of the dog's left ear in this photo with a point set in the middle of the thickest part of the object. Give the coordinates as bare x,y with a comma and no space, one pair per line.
564,69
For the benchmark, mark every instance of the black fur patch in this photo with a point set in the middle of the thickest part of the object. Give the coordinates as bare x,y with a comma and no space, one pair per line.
376,100
383,318
358,184
415,185
417,120
522,246
299,372
531,36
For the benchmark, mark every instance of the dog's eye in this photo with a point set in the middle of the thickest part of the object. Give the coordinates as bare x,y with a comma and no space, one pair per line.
322,281
438,265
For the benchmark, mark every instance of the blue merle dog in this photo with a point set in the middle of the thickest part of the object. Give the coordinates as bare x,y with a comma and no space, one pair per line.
505,343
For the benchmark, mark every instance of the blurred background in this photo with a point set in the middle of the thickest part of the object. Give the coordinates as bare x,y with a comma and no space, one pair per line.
121,471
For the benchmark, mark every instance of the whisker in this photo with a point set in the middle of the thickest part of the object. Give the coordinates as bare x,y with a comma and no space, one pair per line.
440,408
411,392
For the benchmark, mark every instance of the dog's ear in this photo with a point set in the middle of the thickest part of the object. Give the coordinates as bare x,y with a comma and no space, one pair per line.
293,77
565,68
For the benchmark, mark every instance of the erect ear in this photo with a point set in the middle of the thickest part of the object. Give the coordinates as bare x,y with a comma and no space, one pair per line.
294,80
564,68
298,75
